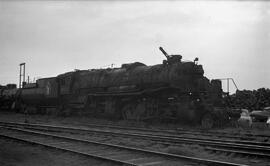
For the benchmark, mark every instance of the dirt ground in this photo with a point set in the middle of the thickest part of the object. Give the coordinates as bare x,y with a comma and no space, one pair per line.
21,154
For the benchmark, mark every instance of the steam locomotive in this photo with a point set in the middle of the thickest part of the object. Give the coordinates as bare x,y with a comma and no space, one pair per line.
175,90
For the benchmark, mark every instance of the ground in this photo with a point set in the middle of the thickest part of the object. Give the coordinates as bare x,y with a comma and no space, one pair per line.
12,153
21,154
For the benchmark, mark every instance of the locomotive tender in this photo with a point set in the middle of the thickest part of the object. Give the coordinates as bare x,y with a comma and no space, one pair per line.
7,95
175,90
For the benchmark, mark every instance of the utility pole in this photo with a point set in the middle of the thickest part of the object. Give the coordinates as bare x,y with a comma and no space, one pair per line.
22,75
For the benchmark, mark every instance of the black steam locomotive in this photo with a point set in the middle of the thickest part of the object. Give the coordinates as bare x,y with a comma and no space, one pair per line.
175,90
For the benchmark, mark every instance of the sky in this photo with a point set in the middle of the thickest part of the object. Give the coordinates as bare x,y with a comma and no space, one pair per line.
230,38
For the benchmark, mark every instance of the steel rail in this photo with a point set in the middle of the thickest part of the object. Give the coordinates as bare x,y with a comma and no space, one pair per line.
181,131
169,140
161,154
170,133
69,150
239,152
173,137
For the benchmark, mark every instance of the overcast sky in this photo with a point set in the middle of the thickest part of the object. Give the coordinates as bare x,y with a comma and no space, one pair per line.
231,39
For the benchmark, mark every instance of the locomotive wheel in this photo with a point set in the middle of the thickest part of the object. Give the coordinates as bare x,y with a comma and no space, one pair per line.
207,121
128,111
23,108
132,111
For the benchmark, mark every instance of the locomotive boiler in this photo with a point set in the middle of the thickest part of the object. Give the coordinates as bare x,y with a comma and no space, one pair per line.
175,90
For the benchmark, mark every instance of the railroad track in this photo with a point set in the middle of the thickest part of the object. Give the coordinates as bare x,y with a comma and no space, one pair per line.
117,154
183,131
250,148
